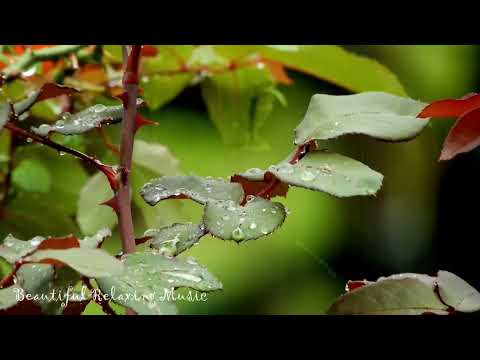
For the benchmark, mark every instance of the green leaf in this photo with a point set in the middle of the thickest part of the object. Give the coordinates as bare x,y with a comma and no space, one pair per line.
88,262
67,172
193,187
30,214
332,173
336,65
379,115
231,100
151,160
93,117
158,90
31,175
176,238
94,241
149,278
154,157
91,216
230,221
457,293
8,296
206,56
403,294
41,281
4,113
168,58
13,249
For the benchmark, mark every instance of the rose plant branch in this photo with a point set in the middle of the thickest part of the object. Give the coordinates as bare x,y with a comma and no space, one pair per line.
29,58
109,171
123,193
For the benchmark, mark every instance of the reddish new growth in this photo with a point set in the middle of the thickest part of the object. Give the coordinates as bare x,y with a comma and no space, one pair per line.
271,186
464,136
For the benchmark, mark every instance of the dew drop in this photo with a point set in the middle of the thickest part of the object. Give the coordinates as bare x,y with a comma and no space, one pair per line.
237,234
61,153
253,226
307,175
254,171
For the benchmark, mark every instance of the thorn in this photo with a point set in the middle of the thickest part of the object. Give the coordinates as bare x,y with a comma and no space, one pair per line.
112,176
141,121
113,203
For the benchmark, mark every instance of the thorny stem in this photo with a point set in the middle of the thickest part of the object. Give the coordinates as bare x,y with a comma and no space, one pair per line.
107,309
107,170
123,195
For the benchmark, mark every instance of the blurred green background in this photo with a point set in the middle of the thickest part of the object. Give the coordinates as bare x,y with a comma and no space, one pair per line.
324,242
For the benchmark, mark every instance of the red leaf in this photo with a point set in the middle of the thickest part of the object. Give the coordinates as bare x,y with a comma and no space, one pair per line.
75,307
352,285
25,307
464,136
278,71
451,107
149,50
59,243
51,90
255,187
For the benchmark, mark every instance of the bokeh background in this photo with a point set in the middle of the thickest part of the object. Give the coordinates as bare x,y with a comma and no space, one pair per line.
424,218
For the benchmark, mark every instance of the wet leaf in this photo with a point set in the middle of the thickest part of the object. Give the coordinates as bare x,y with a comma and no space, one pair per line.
379,115
94,241
175,239
8,297
93,117
88,262
192,187
158,90
13,249
230,221
457,293
91,216
332,173
31,175
152,277
403,294
41,281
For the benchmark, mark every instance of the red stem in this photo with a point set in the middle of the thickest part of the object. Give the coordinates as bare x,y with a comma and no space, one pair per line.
123,195
107,309
109,172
